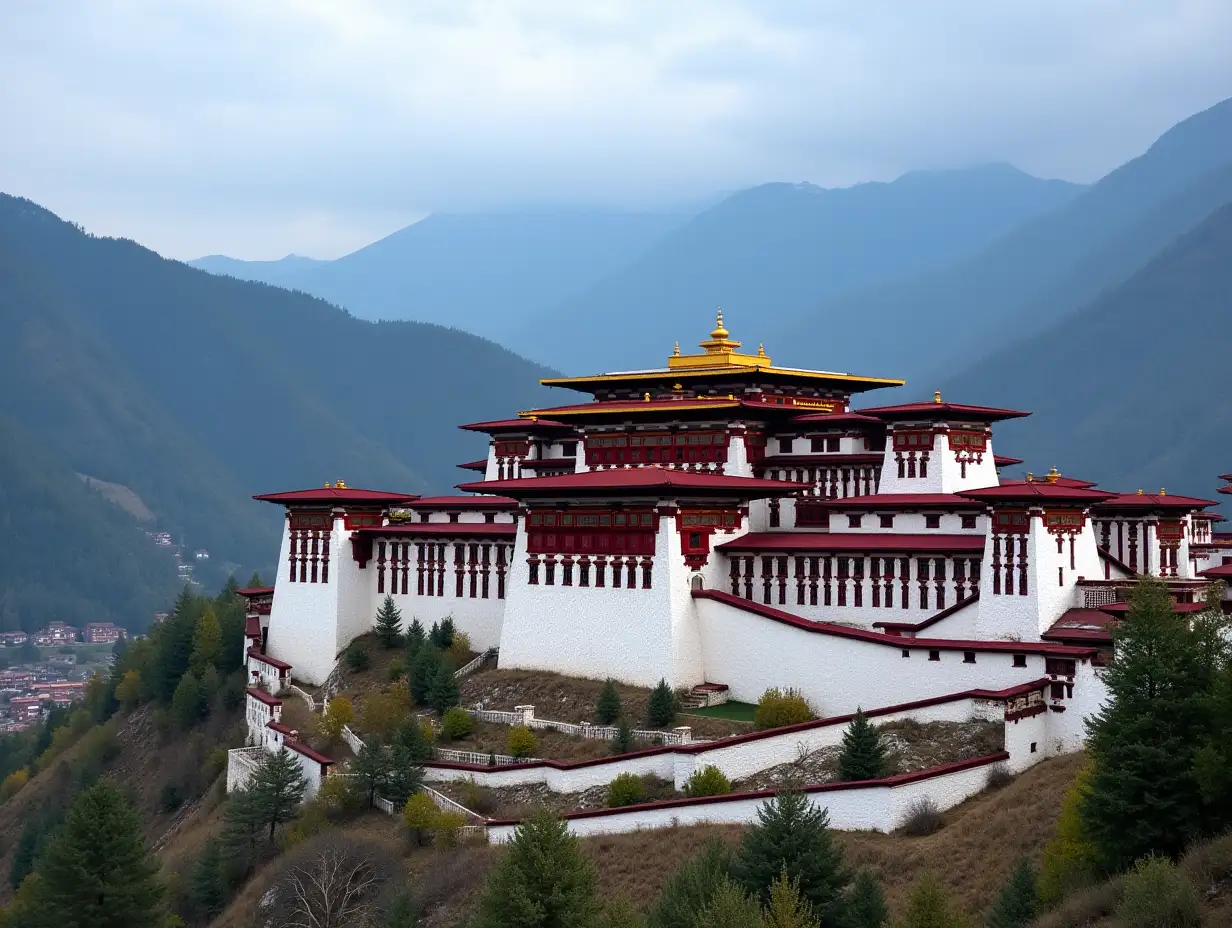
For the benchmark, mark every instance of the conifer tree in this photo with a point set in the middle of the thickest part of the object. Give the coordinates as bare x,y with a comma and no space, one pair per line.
786,909
543,881
792,835
208,889
415,637
389,623
254,582
405,775
622,741
1069,858
207,641
411,737
371,768
661,707
444,694
1143,796
441,634
277,789
927,907
421,673
607,706
864,755
241,833
1018,903
690,889
188,703
97,871
730,907
866,904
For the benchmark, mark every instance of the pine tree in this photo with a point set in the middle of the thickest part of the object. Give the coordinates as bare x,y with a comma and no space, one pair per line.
786,909
97,871
405,775
864,755
207,642
444,694
927,907
188,703
690,889
371,768
730,907
442,632
792,835
1018,903
1069,858
254,582
208,889
411,737
607,707
277,788
622,741
661,707
242,830
389,623
415,637
1143,796
543,881
866,904
421,673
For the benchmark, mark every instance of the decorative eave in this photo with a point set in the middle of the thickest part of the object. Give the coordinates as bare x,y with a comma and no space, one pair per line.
1153,502
820,458
338,494
481,465
527,423
648,481
1038,493
900,502
493,530
866,542
252,592
938,411
1001,460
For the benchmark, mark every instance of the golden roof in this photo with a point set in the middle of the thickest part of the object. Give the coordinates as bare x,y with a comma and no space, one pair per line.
718,351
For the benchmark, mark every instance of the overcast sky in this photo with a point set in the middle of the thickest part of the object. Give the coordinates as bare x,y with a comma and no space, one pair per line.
261,127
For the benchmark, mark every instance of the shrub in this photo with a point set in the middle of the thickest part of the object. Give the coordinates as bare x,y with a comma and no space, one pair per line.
339,715
622,741
708,781
626,790
14,783
477,798
661,707
357,659
459,649
777,708
999,777
448,828
522,741
420,815
1069,858
396,670
381,714
170,798
457,723
607,707
1157,895
1210,863
337,798
922,818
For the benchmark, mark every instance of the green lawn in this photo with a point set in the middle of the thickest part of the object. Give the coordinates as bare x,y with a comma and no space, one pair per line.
734,711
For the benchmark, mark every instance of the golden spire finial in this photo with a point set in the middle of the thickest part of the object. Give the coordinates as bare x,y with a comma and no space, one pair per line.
1139,491
719,331
1053,475
340,484
936,396
1030,477
646,398
1163,492
676,350
761,350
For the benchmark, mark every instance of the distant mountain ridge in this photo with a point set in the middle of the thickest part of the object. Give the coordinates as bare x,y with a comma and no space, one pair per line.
768,253
196,391
1026,280
483,273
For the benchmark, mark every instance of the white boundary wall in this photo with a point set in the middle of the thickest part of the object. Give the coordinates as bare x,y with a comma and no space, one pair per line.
851,807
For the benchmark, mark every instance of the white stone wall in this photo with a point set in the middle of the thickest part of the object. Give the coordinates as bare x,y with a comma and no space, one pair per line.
867,808
751,653
558,777
945,473
303,624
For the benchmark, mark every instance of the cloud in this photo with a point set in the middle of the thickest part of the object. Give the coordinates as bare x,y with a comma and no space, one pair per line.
316,125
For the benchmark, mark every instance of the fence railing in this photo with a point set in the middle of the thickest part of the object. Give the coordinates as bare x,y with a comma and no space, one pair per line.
475,757
525,715
242,763
304,695
352,740
445,804
469,668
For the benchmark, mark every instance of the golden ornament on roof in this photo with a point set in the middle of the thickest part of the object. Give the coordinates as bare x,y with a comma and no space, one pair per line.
340,485
1053,475
936,396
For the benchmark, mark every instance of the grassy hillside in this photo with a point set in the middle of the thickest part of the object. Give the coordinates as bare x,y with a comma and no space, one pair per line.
196,391
1125,390
768,253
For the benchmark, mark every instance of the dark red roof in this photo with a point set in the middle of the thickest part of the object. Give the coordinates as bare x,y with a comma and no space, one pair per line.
254,591
1222,572
853,541
649,480
900,502
837,419
1179,608
1036,491
943,411
442,530
479,501
261,696
893,641
297,746
336,496
550,463
481,465
1227,489
1094,625
252,627
266,659
1002,461
1225,477
1155,501
527,424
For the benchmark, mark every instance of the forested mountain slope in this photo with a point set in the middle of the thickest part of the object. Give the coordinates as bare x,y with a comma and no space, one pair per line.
1129,390
767,254
1033,276
197,391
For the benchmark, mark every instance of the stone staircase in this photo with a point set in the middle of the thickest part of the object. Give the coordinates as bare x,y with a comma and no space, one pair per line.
705,694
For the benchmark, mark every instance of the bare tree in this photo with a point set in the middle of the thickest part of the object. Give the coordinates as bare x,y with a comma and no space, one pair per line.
330,882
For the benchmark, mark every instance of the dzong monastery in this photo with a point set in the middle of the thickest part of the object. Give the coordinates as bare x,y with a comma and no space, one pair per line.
729,526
